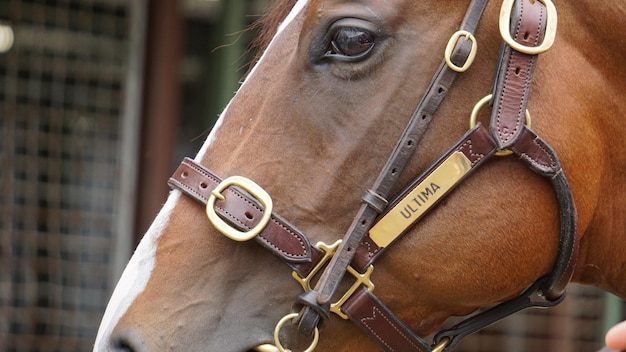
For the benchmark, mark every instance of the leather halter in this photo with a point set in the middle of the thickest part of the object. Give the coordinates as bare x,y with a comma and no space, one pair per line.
531,26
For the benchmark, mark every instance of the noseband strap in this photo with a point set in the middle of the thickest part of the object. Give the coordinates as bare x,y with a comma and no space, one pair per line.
507,133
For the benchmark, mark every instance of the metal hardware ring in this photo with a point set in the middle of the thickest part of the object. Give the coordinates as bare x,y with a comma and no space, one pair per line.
474,116
281,322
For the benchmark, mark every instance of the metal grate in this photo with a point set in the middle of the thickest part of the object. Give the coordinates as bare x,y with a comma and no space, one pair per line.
61,96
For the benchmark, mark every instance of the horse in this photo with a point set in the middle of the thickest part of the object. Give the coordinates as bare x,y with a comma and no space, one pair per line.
306,136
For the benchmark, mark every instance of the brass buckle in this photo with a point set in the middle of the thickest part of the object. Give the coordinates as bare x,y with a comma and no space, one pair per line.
255,191
474,115
450,47
361,279
549,36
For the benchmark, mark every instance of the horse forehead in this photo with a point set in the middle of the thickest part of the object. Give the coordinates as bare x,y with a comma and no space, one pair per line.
296,10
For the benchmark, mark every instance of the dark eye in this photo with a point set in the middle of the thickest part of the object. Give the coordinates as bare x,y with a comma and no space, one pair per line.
350,43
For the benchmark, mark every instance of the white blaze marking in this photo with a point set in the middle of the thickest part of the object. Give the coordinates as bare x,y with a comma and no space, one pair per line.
137,273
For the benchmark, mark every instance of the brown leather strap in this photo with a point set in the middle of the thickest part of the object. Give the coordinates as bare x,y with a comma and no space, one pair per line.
514,79
510,100
243,211
542,159
477,145
380,324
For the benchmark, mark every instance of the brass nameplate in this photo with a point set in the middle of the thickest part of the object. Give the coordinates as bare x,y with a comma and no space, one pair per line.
420,199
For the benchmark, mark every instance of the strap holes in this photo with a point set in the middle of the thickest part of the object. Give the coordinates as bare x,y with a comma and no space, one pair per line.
249,215
526,35
424,117
203,185
394,171
441,90
184,174
517,71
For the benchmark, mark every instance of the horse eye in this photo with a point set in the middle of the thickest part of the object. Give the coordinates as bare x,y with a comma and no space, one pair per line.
350,43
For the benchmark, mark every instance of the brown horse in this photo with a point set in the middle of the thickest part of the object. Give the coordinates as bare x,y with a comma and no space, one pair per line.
314,123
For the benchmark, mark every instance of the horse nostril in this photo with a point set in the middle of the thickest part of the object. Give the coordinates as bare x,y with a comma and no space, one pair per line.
126,341
123,347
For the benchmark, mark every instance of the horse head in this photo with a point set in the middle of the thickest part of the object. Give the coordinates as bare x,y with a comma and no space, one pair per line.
312,126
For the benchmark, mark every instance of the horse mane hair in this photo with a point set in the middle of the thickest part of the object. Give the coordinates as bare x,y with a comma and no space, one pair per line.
267,26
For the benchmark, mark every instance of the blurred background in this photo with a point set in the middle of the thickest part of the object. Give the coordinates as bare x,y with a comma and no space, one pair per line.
99,102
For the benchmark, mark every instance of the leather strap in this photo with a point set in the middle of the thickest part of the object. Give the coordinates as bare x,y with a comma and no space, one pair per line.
328,283
363,308
515,77
380,324
542,159
476,145
243,211
530,298
510,99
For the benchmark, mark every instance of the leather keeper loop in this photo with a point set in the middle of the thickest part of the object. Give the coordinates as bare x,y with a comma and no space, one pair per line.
374,200
310,312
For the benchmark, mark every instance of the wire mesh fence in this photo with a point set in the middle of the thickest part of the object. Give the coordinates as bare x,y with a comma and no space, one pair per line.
61,96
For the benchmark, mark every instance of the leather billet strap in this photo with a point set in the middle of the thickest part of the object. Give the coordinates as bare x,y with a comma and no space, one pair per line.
514,76
511,92
242,211
381,325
